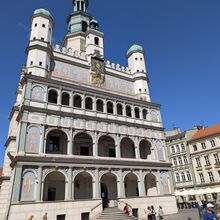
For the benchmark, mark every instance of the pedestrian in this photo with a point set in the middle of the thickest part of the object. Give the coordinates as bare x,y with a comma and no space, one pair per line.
45,216
160,212
209,214
153,213
126,209
31,217
148,213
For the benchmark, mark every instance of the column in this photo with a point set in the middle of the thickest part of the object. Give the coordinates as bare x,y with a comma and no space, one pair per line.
39,184
105,106
42,140
96,185
22,137
124,110
158,183
137,149
94,107
141,184
95,145
117,147
68,195
27,93
70,143
17,183
71,101
171,183
120,185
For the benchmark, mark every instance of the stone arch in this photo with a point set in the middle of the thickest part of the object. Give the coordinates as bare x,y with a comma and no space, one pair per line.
56,142
83,185
128,111
65,99
144,112
106,146
145,148
110,107
137,112
100,105
119,109
83,144
150,181
53,96
131,185
38,93
127,148
88,103
54,186
32,144
77,101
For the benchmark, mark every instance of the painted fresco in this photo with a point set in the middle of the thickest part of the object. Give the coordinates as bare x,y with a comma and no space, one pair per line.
28,187
165,183
160,151
33,140
38,93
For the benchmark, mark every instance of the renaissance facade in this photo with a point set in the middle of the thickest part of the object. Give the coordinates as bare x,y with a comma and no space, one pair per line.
84,134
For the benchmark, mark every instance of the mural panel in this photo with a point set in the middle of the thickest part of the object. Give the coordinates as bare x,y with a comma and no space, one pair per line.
28,187
165,182
160,151
32,140
38,93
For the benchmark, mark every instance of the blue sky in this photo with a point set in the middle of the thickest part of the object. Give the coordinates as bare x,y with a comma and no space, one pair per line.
181,39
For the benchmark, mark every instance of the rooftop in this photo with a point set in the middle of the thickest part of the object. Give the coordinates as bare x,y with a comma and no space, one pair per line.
43,11
176,136
135,48
206,132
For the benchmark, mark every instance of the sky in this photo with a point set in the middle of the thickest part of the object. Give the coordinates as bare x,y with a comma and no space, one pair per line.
181,39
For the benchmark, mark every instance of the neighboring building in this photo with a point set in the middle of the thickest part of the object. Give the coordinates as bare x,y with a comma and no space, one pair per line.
205,154
83,132
182,170
1,170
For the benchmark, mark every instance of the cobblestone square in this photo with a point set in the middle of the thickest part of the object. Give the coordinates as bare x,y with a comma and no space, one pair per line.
184,214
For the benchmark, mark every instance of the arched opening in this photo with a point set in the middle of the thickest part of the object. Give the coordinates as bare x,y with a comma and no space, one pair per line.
77,100
84,26
131,185
106,147
110,108
65,99
83,186
128,111
145,150
56,142
96,41
108,189
137,112
89,103
144,114
83,145
150,185
54,187
119,109
127,148
100,105
52,96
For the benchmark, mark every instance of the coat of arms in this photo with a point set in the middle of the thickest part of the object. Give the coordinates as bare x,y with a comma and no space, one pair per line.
98,71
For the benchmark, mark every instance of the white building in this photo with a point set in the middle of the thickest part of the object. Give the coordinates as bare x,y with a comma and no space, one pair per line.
83,132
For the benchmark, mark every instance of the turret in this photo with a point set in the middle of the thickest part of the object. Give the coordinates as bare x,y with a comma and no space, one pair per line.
39,50
136,63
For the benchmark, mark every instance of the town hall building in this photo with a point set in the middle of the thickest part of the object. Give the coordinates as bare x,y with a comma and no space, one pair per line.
84,134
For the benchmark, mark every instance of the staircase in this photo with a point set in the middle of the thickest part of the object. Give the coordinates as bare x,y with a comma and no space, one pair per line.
114,214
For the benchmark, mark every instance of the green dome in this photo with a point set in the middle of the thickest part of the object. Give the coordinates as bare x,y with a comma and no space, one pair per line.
135,48
42,11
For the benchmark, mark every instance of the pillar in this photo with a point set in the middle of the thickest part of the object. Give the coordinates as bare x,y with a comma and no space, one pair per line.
39,184
137,149
96,185
69,184
17,183
42,140
159,187
141,184
117,147
95,145
70,143
120,185
27,93
22,137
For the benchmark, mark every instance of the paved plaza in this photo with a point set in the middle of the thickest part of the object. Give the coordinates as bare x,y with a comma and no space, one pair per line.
184,214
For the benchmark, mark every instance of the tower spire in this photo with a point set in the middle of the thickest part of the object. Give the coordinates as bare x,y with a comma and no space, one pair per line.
80,5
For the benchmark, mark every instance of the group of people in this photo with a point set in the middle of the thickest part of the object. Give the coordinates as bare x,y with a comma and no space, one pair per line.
150,212
44,217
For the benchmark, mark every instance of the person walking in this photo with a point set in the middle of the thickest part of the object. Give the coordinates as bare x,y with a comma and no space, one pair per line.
160,213
148,213
153,213
209,214
45,216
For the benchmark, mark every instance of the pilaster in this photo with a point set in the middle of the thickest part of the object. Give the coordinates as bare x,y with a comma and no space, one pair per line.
17,184
39,184
141,185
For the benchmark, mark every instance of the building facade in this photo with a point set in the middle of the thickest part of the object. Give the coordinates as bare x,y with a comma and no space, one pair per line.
83,132
205,154
182,167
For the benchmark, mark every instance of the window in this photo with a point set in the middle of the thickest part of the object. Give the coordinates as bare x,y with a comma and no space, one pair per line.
141,58
144,114
34,38
201,176
84,151
65,99
203,145
183,177
112,152
189,177
43,25
31,63
100,105
138,71
96,41
212,143
173,150
180,161
139,90
198,162
136,58
207,162
177,148
216,157
128,111
77,101
183,147
52,97
89,103
54,144
40,63
185,160
211,177
219,173
177,178
35,25
195,147
42,39
110,108
137,112
175,162
84,26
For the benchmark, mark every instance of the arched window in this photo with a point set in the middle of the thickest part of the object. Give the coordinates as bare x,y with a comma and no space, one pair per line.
137,112
83,145
144,114
77,101
96,41
119,109
183,177
65,99
110,108
131,185
52,96
100,105
145,150
180,161
177,177
185,160
189,177
84,26
89,103
127,148
128,111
